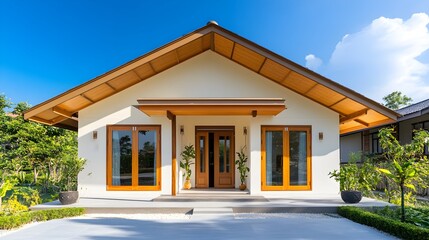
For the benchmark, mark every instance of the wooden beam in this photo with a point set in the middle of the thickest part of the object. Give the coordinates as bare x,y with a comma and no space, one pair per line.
87,98
110,86
212,42
312,87
354,115
173,156
335,103
41,120
151,66
170,115
232,51
58,119
62,112
254,113
263,63
362,122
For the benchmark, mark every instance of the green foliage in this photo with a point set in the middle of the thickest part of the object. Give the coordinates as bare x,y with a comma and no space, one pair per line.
5,186
71,167
13,206
408,164
36,155
396,100
415,216
356,177
187,156
27,196
388,225
17,220
241,163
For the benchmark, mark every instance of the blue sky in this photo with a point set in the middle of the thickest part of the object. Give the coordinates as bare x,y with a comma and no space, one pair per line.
48,47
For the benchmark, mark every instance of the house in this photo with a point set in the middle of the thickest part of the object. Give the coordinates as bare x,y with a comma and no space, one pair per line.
221,93
412,117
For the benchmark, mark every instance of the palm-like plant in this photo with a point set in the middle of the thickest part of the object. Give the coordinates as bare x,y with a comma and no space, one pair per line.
187,156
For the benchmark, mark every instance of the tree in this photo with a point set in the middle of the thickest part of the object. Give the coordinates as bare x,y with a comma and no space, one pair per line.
396,100
410,165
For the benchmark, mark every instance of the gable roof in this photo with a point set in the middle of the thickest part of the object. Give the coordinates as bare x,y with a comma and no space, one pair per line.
355,110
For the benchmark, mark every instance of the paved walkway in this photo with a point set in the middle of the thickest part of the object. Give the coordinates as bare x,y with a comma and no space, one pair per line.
202,225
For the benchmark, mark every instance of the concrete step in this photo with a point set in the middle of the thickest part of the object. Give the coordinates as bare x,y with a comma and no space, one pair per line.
209,198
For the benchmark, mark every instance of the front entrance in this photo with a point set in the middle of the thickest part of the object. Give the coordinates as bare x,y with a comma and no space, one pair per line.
214,165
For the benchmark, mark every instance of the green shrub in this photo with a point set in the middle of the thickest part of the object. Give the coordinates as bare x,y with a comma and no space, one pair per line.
27,196
393,227
13,206
13,221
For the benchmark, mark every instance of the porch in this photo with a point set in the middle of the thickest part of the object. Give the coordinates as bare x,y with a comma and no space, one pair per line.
215,201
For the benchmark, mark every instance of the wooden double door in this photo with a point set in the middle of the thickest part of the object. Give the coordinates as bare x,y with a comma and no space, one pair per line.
214,165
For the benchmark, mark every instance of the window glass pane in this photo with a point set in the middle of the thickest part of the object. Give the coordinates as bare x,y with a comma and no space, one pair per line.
221,153
121,158
147,158
274,158
298,158
228,143
202,155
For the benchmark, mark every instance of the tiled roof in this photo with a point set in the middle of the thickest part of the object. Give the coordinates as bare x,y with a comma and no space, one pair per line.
416,107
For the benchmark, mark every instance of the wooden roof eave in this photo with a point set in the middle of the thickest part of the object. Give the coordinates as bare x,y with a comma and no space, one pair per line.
307,73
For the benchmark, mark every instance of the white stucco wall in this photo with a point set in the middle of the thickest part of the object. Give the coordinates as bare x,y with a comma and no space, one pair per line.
207,75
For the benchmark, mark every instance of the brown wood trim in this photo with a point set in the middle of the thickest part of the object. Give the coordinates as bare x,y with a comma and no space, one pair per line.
62,112
286,173
173,156
354,115
214,128
134,186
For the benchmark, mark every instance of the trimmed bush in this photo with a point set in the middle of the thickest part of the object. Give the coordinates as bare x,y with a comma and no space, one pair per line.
393,227
17,220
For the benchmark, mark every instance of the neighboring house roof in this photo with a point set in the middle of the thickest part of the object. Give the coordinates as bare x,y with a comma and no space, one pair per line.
414,110
355,110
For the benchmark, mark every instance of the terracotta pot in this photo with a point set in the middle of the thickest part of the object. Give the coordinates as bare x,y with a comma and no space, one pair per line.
243,187
187,184
68,197
351,196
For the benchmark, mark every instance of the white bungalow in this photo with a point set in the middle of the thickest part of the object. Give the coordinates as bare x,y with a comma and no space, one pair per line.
219,92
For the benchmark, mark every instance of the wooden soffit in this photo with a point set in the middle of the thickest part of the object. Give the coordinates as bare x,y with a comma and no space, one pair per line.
212,106
355,110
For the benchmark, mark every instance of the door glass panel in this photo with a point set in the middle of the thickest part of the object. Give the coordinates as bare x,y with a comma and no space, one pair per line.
274,158
227,149
221,153
202,155
121,158
147,158
298,158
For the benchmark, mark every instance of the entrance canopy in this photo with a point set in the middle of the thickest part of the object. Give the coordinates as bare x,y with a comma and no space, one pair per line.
212,106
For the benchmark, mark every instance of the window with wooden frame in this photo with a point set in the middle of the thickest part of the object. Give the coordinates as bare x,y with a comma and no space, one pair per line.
286,158
134,157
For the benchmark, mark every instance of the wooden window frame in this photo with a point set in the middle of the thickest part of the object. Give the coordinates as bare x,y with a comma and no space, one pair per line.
286,158
134,164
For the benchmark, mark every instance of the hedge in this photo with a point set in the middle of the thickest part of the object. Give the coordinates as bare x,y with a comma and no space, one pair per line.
17,220
396,228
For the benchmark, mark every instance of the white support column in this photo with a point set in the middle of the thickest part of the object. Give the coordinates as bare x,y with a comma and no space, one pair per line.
254,134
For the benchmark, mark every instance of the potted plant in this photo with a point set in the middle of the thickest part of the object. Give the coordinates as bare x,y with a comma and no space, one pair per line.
187,156
355,179
70,168
241,163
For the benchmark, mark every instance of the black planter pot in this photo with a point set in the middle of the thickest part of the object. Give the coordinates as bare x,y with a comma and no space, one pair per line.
351,196
68,197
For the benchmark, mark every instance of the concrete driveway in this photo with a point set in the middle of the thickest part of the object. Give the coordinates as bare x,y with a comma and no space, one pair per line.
199,226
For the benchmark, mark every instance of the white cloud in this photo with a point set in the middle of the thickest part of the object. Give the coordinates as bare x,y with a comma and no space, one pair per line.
312,62
383,57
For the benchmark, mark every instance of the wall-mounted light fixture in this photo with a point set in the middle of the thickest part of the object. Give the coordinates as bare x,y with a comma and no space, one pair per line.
94,134
182,130
320,136
245,130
